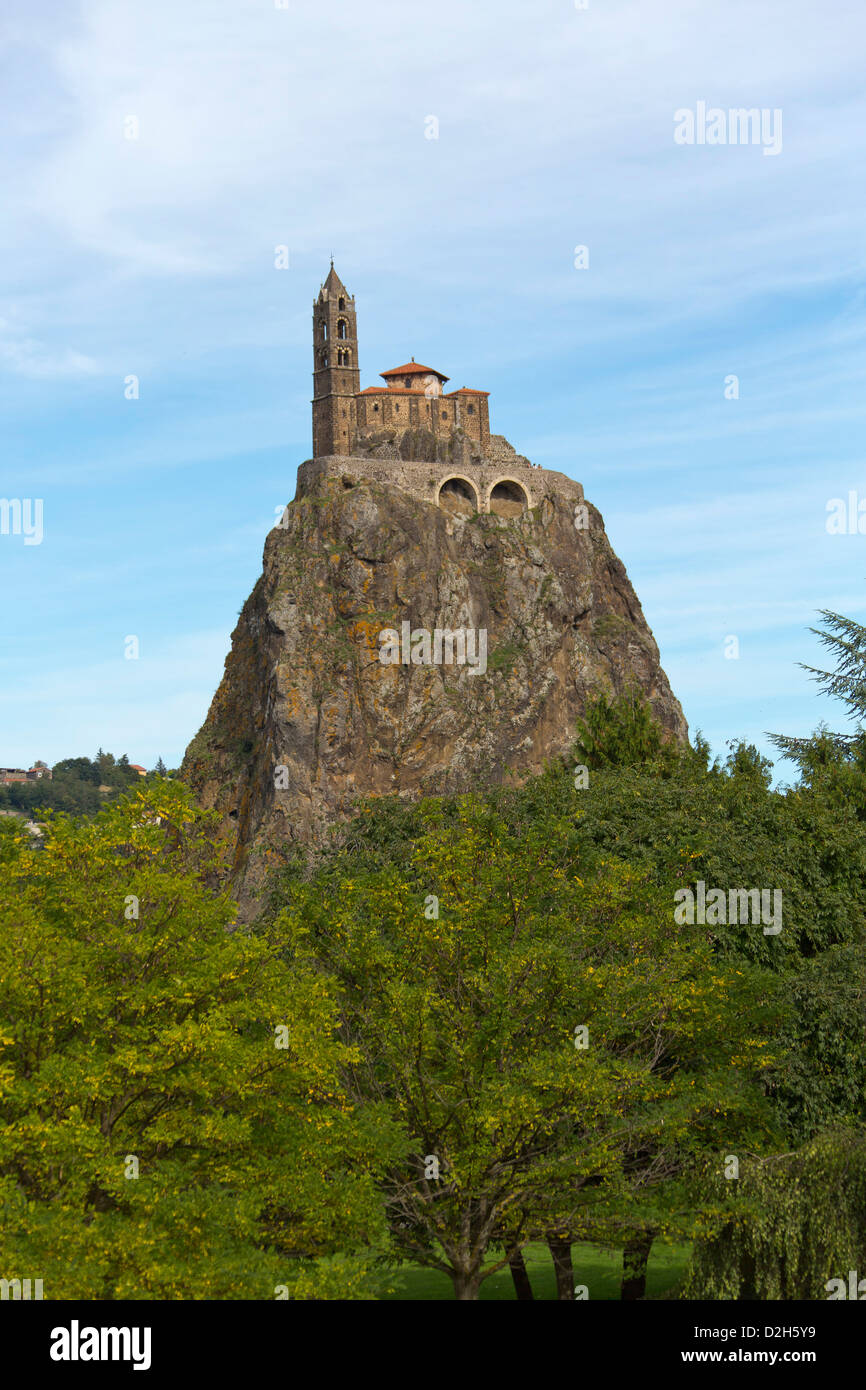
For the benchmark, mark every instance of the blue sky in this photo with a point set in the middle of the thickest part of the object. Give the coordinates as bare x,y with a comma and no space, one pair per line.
306,127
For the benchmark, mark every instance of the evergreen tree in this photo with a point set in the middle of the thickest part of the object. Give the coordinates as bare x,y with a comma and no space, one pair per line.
846,640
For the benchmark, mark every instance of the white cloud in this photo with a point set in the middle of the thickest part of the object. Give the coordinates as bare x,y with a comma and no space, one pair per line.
32,358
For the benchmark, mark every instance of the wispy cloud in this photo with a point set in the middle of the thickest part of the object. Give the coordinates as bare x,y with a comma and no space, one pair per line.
30,357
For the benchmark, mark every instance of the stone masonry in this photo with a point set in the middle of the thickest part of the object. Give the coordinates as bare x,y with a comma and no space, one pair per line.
410,433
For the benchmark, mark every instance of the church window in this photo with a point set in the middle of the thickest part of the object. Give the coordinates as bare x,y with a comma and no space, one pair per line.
341,303
324,359
324,330
342,328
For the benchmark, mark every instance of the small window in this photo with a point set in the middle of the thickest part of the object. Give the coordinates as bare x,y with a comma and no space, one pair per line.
375,407
407,381
324,330
341,303
342,329
444,414
471,409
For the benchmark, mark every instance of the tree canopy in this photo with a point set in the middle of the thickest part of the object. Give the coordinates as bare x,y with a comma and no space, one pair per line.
170,1098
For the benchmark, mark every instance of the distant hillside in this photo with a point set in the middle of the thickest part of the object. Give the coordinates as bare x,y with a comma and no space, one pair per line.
77,785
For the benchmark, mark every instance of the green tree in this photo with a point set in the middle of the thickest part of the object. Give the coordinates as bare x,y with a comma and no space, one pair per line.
821,1083
795,1222
745,763
537,1023
624,732
846,640
78,769
173,1125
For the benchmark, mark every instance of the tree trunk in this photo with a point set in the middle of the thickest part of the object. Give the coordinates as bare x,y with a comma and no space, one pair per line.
635,1257
560,1253
466,1284
519,1275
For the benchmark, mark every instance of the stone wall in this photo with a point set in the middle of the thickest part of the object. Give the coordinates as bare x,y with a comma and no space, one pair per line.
392,408
481,475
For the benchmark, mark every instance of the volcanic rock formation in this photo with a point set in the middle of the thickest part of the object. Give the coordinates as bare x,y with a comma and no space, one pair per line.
309,718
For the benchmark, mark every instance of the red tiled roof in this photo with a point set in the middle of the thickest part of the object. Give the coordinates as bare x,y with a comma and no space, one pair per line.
418,391
393,391
411,368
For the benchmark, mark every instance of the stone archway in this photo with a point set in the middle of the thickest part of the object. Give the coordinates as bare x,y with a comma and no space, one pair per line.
457,495
507,498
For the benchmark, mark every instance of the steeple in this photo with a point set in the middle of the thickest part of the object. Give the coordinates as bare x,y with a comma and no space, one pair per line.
336,376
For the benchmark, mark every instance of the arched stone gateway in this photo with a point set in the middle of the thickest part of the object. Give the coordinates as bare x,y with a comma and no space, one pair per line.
507,498
458,495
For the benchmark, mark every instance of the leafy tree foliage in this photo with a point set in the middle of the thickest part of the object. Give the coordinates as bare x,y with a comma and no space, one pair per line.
620,732
799,1220
172,1123
795,1223
676,819
822,1080
468,973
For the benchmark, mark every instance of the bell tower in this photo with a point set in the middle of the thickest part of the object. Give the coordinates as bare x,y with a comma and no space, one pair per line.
336,376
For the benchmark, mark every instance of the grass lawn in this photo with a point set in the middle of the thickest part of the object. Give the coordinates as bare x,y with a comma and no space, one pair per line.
598,1269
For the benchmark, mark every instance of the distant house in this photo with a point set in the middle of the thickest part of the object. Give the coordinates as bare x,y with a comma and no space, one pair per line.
19,774
136,767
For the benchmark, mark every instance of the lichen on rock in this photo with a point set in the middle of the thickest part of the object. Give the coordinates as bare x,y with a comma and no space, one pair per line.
307,718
